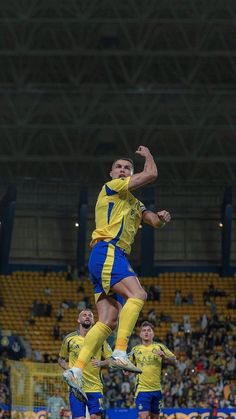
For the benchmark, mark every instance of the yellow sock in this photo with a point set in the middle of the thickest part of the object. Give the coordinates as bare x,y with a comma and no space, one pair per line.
127,320
92,342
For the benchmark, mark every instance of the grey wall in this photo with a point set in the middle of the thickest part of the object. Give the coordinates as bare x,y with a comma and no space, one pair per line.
44,229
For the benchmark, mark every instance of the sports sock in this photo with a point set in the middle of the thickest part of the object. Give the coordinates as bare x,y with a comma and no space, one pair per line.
127,320
92,342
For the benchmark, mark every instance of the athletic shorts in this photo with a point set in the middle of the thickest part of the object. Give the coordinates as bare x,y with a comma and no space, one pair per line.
108,265
149,401
94,404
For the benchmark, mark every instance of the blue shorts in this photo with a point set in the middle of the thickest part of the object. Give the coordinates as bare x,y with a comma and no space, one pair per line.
149,401
94,404
108,265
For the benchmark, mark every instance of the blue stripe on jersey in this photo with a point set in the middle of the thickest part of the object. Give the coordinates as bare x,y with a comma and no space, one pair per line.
110,206
115,240
109,191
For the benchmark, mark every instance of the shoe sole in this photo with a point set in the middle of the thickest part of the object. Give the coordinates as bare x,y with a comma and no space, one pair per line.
113,364
76,391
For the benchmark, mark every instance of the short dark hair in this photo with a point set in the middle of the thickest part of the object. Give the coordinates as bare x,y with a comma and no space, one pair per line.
124,158
147,324
86,309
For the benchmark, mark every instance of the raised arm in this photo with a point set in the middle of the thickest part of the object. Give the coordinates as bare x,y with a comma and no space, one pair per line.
149,173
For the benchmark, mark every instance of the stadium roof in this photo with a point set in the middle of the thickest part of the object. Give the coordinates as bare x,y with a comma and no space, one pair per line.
85,82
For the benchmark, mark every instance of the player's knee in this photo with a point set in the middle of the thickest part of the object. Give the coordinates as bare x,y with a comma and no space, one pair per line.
111,322
144,295
143,415
95,416
141,294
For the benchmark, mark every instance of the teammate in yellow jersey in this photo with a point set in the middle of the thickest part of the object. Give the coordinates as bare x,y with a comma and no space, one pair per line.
118,215
93,387
148,357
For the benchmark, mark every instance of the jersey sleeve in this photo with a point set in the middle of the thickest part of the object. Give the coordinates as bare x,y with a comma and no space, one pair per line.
142,207
64,351
166,351
131,355
117,186
106,350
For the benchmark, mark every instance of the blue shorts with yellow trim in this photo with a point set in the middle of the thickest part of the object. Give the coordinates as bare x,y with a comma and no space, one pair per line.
108,265
94,404
149,401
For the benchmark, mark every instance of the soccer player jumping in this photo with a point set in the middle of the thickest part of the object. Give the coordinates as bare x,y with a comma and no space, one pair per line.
118,293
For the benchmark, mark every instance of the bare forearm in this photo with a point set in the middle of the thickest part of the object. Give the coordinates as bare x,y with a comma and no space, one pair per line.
157,222
152,219
63,364
150,165
98,364
149,172
104,363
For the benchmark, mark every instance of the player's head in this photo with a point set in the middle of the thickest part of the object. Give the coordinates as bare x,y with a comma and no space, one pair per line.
86,318
147,331
122,167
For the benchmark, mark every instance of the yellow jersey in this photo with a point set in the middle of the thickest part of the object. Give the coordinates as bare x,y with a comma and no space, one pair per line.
70,350
118,214
151,365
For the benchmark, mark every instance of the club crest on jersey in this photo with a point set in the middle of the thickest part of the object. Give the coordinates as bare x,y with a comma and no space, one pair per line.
74,346
132,212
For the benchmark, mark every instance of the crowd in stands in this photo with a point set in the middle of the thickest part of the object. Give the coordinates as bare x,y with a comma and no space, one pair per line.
205,351
206,355
4,388
206,368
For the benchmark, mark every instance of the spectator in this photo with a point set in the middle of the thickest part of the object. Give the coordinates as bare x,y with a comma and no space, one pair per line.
190,299
48,309
178,297
83,273
154,292
31,320
125,386
69,273
47,292
46,270
60,314
186,318
152,317
54,404
37,355
232,303
80,290
56,331
174,328
204,321
214,408
187,327
165,318
81,305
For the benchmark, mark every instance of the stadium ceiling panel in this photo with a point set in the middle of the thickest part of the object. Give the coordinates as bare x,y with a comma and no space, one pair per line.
84,82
